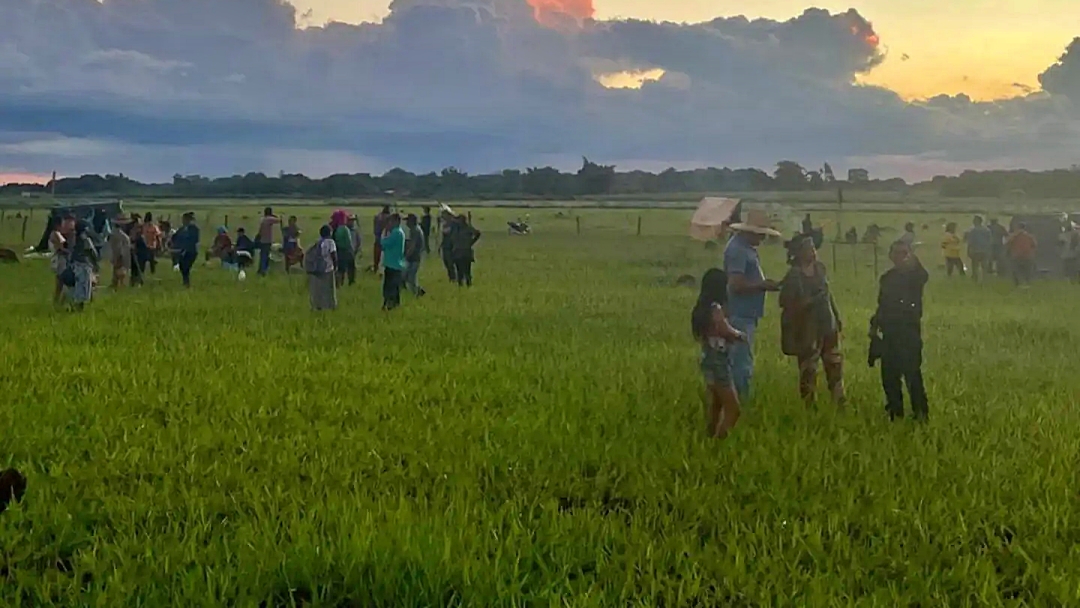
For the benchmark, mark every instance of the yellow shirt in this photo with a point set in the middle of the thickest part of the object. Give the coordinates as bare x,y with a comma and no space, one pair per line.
950,245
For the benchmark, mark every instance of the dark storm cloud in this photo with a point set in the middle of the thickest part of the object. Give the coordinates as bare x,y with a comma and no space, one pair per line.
480,85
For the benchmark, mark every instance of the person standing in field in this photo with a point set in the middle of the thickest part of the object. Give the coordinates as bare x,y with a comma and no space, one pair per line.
747,287
909,235
415,244
980,242
320,263
222,249
810,325
357,243
152,239
950,249
343,243
58,248
1069,247
897,327
266,239
997,246
463,238
83,264
393,252
167,233
381,219
120,250
710,327
134,230
1022,246
425,227
186,246
290,244
446,246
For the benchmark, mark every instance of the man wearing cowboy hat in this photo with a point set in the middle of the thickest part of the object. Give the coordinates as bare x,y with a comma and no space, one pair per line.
747,286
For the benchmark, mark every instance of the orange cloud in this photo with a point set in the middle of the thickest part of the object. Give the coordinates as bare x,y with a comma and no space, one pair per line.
555,12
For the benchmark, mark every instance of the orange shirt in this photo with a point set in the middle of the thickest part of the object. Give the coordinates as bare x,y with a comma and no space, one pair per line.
152,236
1022,245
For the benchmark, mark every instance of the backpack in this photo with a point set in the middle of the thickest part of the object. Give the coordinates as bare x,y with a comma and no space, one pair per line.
314,260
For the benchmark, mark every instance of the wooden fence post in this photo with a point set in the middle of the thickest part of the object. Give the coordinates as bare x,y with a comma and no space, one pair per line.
25,219
639,225
578,218
834,256
875,260
226,221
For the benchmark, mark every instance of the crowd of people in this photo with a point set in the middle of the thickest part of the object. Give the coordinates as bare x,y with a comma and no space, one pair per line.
133,243
994,250
732,302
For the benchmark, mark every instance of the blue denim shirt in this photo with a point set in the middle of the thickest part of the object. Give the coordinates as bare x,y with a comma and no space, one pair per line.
741,258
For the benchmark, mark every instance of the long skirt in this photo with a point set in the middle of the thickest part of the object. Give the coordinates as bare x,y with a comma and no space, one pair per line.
83,290
323,291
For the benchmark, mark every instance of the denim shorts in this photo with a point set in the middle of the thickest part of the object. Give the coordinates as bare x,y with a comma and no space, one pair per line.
715,366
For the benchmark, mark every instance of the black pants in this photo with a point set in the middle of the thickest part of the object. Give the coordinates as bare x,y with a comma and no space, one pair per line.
901,363
997,261
954,263
149,260
1023,271
448,261
391,289
463,270
347,269
187,260
136,269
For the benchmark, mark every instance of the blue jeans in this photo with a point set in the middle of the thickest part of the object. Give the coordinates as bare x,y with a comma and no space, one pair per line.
410,278
264,258
742,356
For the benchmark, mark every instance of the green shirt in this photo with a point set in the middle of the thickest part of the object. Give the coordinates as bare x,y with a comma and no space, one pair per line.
343,240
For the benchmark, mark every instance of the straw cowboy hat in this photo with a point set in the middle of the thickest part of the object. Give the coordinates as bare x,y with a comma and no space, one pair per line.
756,222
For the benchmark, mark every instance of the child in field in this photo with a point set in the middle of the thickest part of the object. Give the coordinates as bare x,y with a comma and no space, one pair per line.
711,329
950,249
290,244
897,327
120,248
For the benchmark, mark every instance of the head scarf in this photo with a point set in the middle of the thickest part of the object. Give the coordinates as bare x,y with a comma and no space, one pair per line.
222,230
81,227
338,218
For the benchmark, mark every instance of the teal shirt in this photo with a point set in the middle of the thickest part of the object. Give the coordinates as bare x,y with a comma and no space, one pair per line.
393,246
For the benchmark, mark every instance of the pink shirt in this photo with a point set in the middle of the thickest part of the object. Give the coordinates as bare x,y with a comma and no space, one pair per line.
266,229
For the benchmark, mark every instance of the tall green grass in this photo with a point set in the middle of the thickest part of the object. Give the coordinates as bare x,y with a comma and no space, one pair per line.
536,441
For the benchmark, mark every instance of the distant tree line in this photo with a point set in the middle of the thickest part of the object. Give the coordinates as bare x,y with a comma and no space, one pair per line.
590,180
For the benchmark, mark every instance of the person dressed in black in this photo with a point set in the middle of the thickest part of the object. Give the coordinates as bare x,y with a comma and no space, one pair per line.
896,332
425,227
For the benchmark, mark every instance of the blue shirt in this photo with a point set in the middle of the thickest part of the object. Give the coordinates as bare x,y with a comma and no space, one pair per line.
741,258
979,240
393,247
186,239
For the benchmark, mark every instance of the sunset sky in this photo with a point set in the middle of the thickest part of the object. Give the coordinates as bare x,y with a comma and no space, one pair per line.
982,48
911,88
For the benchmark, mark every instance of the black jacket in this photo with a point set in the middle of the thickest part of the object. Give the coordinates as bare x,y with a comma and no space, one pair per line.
900,298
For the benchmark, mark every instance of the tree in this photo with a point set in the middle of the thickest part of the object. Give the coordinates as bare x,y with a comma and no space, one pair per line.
790,175
594,179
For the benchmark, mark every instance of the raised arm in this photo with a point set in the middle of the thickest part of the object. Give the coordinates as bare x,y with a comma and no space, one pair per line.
735,263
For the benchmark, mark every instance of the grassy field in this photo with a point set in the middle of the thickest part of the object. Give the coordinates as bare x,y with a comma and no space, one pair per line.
536,441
